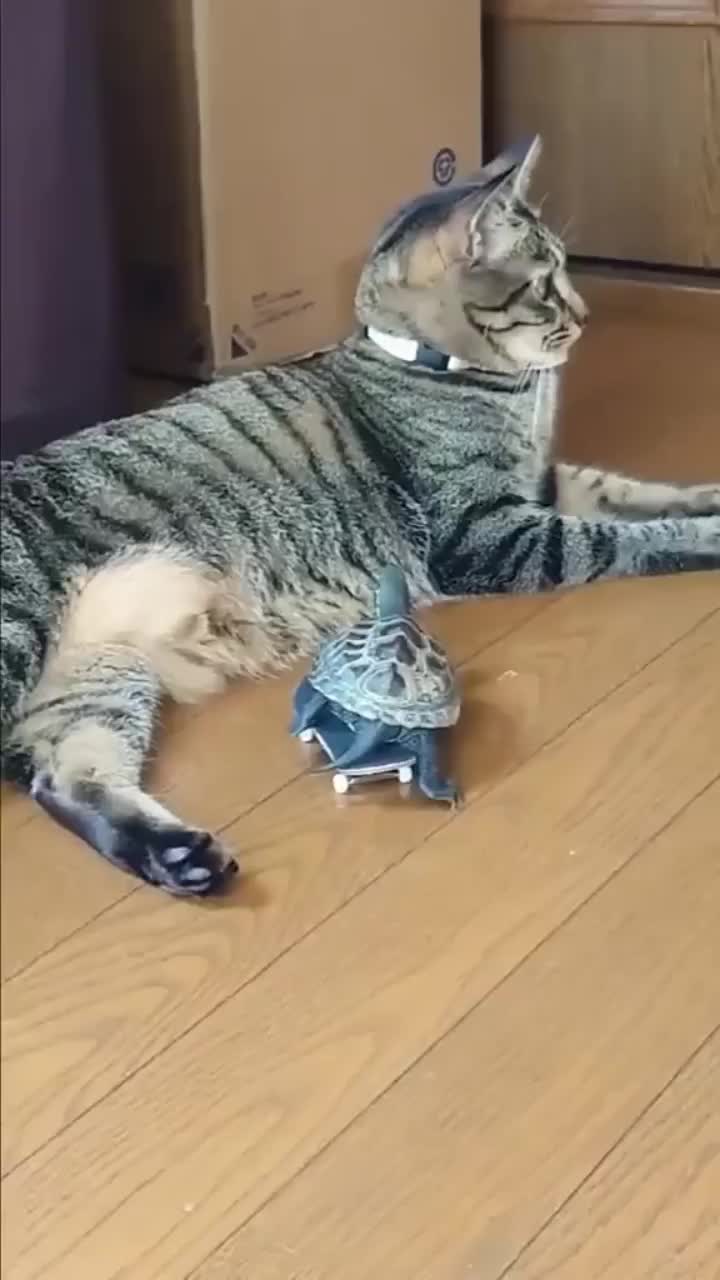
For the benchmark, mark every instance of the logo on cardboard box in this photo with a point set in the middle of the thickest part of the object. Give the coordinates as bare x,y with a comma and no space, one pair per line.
444,166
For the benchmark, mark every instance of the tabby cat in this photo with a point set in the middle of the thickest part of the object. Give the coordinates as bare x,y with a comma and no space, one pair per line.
226,532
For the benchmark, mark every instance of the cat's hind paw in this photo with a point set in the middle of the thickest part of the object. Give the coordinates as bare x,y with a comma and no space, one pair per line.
182,860
139,837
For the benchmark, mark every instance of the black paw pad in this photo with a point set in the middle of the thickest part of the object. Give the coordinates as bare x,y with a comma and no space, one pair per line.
180,859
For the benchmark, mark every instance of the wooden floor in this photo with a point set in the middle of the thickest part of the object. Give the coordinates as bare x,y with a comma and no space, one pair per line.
410,1046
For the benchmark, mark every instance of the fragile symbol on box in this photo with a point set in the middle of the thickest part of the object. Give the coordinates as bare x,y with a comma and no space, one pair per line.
240,344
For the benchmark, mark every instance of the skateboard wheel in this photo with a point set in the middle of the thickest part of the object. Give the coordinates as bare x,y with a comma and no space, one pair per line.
405,774
341,783
307,735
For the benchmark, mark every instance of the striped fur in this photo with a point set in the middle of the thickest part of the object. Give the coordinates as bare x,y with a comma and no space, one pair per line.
227,532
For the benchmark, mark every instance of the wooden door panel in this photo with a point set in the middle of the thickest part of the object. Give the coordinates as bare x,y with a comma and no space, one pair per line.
630,115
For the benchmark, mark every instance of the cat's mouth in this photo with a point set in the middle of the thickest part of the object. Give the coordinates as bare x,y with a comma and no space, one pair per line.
557,344
558,338
562,338
551,350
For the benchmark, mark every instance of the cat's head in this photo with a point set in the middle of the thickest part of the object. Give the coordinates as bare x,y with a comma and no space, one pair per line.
473,272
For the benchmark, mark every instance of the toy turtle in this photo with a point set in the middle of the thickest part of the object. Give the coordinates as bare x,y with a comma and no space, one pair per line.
377,694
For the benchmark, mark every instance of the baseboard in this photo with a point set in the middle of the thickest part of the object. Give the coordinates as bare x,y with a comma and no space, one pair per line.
656,297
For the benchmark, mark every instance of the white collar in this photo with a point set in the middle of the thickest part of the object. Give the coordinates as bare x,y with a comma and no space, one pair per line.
412,352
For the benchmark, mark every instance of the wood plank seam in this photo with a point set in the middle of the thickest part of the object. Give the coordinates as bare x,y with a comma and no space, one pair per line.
138,888
468,1013
42,955
623,1137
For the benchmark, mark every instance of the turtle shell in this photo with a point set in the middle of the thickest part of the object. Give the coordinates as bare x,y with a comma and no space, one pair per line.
389,670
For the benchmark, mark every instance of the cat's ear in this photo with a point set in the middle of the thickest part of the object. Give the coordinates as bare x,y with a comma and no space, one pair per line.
462,220
513,170
505,180
525,172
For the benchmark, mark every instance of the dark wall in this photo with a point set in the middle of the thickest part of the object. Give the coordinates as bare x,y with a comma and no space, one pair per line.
61,364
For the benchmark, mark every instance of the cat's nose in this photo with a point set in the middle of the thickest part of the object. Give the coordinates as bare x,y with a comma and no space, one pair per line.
574,331
580,312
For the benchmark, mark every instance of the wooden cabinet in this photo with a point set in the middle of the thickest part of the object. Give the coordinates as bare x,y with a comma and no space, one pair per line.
630,115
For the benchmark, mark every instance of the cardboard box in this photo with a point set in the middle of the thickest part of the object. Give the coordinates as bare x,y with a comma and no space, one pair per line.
256,148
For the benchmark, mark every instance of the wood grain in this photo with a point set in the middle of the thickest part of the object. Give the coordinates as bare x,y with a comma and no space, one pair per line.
529,1092
50,885
653,1200
163,965
632,167
224,1117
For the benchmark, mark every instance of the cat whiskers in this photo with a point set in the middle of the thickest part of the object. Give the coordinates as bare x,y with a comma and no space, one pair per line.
568,227
527,374
519,384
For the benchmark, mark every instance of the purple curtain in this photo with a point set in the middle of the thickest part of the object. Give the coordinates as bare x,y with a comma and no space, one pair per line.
61,366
